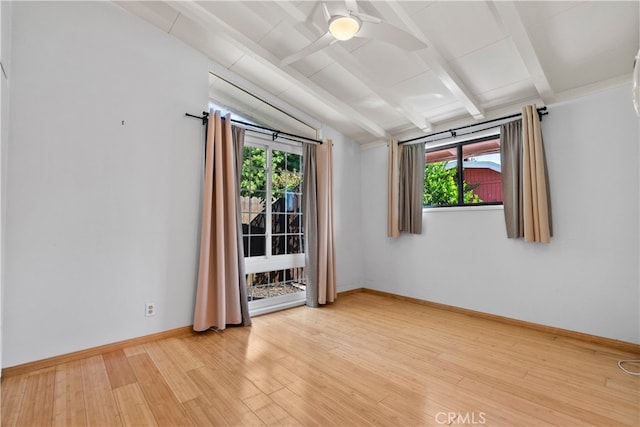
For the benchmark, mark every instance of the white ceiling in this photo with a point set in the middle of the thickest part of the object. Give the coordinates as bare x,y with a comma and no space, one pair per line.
482,59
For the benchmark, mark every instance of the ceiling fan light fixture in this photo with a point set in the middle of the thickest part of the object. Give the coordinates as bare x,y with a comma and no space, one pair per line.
344,27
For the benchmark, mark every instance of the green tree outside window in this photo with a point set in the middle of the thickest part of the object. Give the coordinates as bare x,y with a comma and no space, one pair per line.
440,188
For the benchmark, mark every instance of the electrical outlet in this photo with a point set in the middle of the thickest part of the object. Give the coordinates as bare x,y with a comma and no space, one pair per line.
150,309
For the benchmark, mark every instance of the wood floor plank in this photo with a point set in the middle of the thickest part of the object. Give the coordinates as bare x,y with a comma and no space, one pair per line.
318,383
261,349
270,412
37,406
12,396
365,382
528,407
278,371
208,348
181,355
627,384
118,369
69,407
261,374
591,380
306,412
101,406
538,392
406,373
238,385
365,360
447,398
216,393
144,368
163,403
134,350
203,413
341,410
133,407
167,411
180,383
419,406
605,407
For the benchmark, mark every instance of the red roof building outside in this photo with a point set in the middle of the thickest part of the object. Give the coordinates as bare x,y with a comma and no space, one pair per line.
486,183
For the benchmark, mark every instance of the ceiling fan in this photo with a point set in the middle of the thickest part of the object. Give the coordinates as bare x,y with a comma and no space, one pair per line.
353,23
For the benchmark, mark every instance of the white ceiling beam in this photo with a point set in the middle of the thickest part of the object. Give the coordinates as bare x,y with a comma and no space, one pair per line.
433,58
255,90
202,16
346,60
507,15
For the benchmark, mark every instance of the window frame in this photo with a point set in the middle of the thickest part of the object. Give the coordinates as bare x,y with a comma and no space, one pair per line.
460,170
269,262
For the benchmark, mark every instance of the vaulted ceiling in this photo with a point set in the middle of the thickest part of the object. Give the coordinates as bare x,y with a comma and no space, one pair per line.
470,60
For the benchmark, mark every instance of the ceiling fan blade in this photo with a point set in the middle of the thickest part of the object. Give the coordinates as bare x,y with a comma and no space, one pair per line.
313,11
391,34
366,18
325,11
325,40
352,5
354,10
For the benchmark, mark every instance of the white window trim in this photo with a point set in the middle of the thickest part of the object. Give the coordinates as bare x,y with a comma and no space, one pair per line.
458,140
259,264
258,139
465,208
282,302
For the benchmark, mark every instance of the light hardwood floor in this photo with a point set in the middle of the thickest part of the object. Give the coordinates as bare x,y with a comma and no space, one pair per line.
366,360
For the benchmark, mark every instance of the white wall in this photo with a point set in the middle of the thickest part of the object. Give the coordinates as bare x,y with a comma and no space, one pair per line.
347,210
101,217
586,280
5,59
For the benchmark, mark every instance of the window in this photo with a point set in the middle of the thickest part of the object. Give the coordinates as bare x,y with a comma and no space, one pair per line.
463,173
271,201
272,222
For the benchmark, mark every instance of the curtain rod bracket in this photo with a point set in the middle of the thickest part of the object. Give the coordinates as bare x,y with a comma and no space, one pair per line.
542,112
453,133
204,117
274,135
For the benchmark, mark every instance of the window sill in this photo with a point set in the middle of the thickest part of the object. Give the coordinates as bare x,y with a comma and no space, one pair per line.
464,208
282,302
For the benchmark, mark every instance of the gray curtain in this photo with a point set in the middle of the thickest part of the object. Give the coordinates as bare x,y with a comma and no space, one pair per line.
309,194
525,182
221,293
511,164
238,151
411,193
318,224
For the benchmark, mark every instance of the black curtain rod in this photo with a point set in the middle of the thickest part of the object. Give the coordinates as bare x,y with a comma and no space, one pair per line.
275,134
542,111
